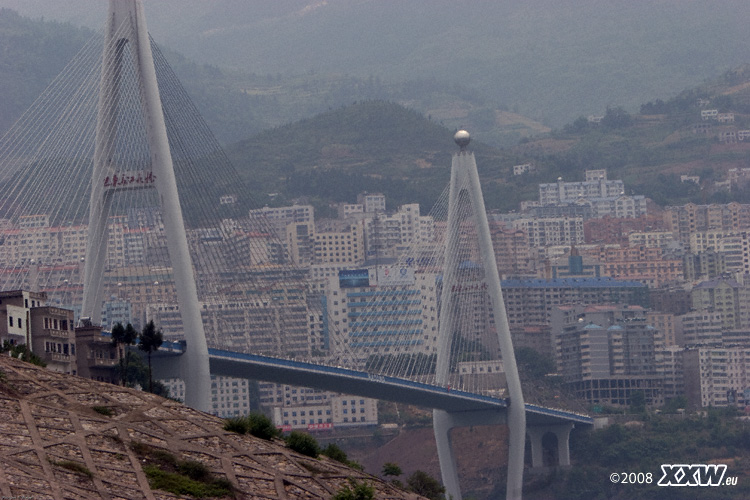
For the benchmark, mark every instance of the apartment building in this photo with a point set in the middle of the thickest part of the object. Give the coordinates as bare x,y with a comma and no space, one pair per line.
53,338
543,232
723,375
320,411
372,202
230,396
704,265
700,328
513,253
650,239
666,324
640,263
97,358
530,302
725,297
344,246
690,218
615,230
374,314
387,236
596,185
606,353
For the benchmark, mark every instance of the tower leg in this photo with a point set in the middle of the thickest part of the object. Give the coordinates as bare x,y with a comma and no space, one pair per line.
195,372
517,409
563,443
104,151
442,424
441,420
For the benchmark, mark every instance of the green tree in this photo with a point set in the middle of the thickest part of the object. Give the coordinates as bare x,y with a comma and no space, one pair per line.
334,452
136,372
637,402
150,340
257,424
674,404
533,364
123,336
423,484
303,443
118,338
261,426
391,469
358,491
616,118
22,352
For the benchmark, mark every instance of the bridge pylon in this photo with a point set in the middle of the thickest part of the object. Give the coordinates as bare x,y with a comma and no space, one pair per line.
465,186
127,43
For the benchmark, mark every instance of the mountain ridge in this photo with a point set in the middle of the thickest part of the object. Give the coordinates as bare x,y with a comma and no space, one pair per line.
548,60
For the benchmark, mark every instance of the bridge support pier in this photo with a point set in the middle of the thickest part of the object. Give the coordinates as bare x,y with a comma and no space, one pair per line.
561,431
442,423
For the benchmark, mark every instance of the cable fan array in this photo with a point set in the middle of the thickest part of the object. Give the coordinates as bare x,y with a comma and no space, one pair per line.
253,297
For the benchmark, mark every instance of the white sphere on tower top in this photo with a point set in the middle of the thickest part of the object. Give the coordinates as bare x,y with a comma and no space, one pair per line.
462,138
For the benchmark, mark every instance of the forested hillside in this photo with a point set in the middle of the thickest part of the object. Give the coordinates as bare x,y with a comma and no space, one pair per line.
237,103
328,137
381,146
32,53
546,59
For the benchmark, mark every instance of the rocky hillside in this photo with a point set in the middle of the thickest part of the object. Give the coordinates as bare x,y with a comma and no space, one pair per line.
73,438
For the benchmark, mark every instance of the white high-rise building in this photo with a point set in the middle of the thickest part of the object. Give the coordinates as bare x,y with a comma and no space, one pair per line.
383,311
387,236
230,396
372,202
596,185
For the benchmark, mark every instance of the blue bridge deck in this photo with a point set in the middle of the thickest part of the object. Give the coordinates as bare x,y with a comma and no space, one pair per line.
355,382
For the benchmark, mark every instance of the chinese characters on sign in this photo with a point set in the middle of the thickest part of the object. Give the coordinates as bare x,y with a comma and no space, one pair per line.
319,427
130,179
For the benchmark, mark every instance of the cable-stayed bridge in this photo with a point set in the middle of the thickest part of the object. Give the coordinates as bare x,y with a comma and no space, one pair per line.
117,200
362,383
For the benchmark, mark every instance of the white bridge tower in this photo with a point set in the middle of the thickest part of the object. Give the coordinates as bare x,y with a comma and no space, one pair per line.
464,185
126,27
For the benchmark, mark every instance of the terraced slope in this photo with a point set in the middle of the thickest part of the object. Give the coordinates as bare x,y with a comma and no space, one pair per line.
65,437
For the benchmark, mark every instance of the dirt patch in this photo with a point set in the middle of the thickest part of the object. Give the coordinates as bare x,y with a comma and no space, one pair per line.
481,456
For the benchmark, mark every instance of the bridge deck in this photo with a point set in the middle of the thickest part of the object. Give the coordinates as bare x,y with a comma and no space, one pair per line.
348,381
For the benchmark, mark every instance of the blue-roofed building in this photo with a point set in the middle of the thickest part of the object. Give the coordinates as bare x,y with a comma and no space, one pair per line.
531,301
